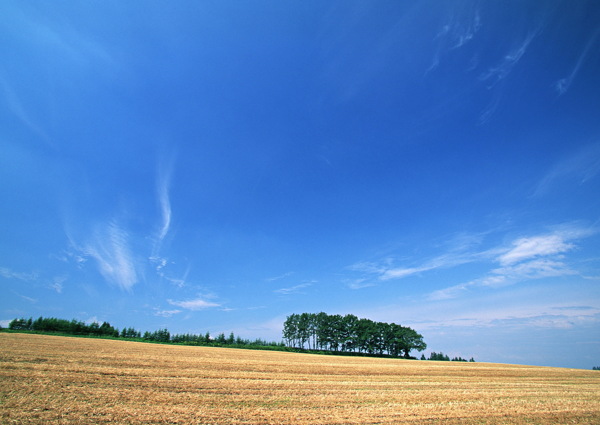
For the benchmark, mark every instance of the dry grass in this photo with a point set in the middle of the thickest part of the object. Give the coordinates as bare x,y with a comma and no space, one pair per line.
49,379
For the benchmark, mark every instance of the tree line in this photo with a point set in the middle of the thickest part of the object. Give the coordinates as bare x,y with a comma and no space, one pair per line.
444,357
321,331
105,330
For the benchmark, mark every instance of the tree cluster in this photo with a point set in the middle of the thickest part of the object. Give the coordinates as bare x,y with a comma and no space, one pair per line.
73,327
348,333
443,357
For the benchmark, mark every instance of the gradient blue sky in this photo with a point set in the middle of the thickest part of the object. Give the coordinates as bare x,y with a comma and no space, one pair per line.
218,165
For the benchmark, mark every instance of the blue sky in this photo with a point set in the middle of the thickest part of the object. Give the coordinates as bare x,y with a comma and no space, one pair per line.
217,166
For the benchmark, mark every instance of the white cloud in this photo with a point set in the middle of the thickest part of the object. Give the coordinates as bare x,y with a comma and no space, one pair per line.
165,203
163,183
359,283
57,283
509,61
533,257
93,319
578,168
293,289
534,269
563,84
10,274
18,109
195,304
525,248
26,298
282,276
457,256
166,313
110,249
451,292
402,272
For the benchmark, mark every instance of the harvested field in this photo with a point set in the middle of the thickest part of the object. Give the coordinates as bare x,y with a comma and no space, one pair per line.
51,379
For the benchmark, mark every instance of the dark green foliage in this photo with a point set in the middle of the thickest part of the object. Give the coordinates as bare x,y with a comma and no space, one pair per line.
596,368
443,357
349,334
161,335
75,327
439,357
130,333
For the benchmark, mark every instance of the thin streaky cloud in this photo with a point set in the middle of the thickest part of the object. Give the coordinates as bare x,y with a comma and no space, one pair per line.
15,105
529,258
110,249
163,186
403,272
166,313
57,283
454,35
525,248
29,299
66,42
562,85
279,277
534,269
579,167
359,283
449,260
510,60
195,304
293,289
10,274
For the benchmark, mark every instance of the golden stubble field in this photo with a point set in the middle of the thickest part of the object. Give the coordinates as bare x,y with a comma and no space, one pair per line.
51,379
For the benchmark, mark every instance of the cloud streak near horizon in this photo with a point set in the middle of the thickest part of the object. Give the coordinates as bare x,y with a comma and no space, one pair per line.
525,258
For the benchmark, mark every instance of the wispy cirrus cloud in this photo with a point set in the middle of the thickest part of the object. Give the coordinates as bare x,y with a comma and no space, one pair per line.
279,277
163,184
166,313
57,283
29,299
527,258
11,274
294,289
162,187
535,246
109,247
578,168
385,270
562,85
499,72
194,304
19,110
460,28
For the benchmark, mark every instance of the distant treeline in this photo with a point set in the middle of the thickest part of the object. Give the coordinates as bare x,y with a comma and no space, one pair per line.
348,333
443,357
79,328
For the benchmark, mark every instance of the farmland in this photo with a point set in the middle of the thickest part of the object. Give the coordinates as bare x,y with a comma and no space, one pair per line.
51,379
